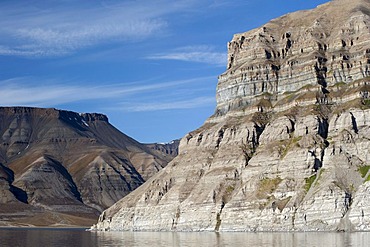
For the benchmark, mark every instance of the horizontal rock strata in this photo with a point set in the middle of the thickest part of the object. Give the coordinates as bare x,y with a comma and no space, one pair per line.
322,47
287,148
62,162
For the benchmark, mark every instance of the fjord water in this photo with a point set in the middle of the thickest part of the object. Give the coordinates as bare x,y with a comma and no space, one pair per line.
79,237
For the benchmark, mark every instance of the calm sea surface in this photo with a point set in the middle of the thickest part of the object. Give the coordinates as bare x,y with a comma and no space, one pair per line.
79,237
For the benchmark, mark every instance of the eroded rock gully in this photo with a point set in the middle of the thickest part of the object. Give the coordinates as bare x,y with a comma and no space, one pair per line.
287,148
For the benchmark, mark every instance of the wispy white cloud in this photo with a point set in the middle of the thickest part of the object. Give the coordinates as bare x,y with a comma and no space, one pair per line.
48,93
168,105
200,54
51,30
17,92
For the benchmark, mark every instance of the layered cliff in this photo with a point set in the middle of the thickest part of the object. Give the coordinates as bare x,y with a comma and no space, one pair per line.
63,164
287,148
320,47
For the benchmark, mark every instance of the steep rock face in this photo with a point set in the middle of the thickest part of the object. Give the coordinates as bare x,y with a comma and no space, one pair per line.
68,162
287,148
260,172
320,47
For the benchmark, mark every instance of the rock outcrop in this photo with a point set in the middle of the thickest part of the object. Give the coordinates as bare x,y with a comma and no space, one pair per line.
321,47
62,163
287,148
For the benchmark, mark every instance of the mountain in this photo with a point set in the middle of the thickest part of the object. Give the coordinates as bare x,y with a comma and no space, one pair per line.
287,147
61,167
170,149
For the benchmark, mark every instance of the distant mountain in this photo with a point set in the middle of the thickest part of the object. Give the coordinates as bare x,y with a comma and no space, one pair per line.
61,167
170,149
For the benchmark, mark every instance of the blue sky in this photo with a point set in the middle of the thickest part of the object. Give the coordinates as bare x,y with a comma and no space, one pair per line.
150,65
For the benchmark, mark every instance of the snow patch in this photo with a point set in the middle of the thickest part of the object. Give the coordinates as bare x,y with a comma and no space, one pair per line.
84,122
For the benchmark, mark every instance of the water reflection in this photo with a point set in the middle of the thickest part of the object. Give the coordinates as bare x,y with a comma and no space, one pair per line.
326,239
22,237
79,237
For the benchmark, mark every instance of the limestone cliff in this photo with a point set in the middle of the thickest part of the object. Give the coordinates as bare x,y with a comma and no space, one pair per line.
321,47
63,167
287,148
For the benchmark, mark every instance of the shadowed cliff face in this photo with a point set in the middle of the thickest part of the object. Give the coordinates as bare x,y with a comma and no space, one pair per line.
288,146
65,162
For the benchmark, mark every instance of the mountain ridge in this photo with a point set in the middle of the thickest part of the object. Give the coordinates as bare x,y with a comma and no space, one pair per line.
67,166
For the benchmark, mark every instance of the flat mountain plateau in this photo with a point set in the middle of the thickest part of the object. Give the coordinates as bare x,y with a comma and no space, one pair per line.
61,168
288,146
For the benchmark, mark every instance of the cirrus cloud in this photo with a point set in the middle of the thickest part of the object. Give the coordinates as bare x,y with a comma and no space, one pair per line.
50,29
197,102
49,93
200,54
